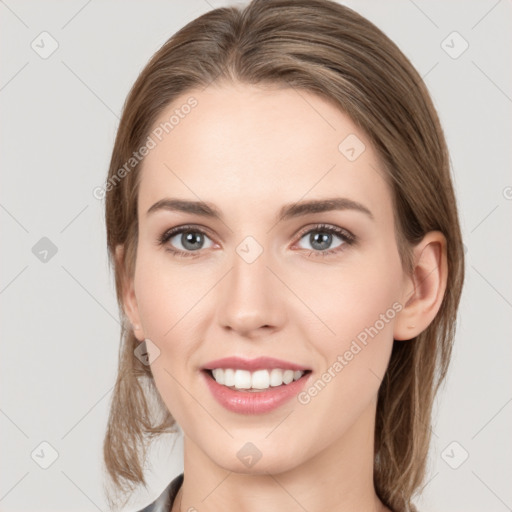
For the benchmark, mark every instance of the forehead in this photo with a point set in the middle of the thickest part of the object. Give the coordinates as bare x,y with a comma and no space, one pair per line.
243,145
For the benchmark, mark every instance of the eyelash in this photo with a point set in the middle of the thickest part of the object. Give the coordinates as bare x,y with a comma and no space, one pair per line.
346,236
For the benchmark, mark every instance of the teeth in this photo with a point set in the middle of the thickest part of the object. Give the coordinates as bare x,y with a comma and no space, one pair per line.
260,379
229,377
276,377
242,379
288,376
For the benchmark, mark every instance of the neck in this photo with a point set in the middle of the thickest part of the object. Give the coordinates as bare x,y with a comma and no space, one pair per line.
337,478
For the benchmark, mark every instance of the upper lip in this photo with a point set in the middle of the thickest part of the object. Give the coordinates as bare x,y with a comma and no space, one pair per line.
260,363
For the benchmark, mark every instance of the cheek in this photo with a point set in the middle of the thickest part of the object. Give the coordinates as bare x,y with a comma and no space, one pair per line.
167,301
359,305
356,295
153,298
166,293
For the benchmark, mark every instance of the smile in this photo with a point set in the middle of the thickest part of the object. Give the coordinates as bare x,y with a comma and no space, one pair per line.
255,381
254,386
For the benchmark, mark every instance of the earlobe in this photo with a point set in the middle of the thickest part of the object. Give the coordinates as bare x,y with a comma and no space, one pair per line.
130,306
424,289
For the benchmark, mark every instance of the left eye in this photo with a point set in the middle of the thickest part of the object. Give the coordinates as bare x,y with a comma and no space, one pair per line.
321,239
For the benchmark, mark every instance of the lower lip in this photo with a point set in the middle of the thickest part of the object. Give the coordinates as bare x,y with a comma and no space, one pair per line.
254,402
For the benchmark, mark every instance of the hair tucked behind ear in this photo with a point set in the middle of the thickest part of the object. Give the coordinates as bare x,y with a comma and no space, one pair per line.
328,49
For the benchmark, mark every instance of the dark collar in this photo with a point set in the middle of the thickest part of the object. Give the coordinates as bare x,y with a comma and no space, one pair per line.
165,501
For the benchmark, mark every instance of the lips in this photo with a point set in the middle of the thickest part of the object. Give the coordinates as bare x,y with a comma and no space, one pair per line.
270,395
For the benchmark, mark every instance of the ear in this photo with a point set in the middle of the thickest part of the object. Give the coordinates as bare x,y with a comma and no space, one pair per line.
424,289
130,306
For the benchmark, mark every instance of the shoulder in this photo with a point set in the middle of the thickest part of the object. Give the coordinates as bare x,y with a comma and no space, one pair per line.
165,501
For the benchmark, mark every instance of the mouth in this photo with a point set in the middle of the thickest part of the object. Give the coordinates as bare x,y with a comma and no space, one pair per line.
254,386
255,381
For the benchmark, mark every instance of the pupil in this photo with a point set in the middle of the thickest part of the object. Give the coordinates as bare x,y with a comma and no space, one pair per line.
317,239
193,239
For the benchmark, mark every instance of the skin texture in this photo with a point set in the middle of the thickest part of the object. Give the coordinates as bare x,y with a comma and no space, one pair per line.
250,150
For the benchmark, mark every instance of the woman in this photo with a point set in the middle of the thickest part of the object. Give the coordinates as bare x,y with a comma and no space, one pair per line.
288,261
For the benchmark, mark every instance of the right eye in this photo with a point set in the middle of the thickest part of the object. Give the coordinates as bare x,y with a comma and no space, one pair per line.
191,240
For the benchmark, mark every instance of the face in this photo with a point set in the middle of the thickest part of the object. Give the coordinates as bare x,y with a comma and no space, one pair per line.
254,272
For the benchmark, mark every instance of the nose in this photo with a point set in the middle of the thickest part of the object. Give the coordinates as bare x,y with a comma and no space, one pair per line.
250,298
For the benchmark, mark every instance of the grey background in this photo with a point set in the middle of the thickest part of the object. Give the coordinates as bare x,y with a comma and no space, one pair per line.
59,325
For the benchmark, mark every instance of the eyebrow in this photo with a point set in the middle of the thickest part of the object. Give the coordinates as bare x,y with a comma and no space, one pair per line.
288,211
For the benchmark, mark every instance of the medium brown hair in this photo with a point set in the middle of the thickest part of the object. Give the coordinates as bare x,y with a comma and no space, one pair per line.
328,49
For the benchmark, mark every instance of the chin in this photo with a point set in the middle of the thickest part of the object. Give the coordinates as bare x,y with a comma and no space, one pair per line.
254,459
